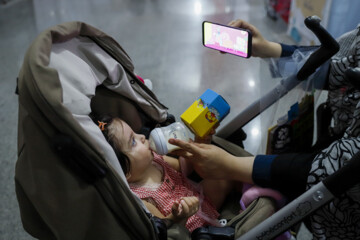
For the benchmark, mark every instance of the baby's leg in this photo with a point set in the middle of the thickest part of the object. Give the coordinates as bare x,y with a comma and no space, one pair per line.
217,190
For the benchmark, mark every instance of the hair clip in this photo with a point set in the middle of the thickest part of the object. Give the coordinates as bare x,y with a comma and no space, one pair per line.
102,125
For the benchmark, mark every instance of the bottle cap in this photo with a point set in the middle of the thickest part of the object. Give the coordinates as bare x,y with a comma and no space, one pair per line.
157,141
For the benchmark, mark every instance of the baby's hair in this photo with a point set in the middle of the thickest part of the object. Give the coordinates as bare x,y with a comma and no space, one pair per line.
108,129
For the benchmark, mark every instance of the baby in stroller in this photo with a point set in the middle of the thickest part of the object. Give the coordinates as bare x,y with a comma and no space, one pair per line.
158,180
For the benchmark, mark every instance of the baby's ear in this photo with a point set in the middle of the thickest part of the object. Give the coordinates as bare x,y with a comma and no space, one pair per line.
128,176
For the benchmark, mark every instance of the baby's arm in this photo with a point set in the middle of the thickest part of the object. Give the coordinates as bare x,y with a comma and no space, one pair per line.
208,138
181,211
173,162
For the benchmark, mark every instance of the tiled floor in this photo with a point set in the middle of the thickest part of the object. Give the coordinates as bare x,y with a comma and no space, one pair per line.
163,38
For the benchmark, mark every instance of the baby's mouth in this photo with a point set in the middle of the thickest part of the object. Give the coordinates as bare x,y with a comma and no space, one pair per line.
148,145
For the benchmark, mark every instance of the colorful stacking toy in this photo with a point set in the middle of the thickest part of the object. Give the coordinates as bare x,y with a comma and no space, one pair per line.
208,110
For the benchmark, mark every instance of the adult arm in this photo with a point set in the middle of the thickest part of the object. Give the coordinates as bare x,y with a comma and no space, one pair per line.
286,173
261,47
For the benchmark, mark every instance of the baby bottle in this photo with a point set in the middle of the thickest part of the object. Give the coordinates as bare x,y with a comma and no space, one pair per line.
159,137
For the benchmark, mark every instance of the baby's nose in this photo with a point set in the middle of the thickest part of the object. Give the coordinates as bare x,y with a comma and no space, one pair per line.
142,138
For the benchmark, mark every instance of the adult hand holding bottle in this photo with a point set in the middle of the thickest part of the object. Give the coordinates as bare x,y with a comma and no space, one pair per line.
212,162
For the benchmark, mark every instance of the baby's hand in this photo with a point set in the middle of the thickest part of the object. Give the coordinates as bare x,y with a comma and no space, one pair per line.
185,208
207,139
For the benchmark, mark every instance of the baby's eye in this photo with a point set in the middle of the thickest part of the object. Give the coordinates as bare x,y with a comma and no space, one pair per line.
133,142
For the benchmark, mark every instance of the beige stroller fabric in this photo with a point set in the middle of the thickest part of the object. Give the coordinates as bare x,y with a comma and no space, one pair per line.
54,202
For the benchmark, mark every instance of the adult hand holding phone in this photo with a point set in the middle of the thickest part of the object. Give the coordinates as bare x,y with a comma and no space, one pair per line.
261,47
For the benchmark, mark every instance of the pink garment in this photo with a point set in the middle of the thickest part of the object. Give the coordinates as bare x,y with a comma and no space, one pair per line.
140,78
252,192
172,189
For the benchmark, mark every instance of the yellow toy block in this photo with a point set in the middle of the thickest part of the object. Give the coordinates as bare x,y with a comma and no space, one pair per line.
199,119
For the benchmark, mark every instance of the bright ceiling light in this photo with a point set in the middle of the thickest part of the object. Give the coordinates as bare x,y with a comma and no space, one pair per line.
197,8
255,131
251,83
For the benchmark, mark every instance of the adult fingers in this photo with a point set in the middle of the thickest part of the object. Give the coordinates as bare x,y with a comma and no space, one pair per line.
243,24
237,23
182,153
189,147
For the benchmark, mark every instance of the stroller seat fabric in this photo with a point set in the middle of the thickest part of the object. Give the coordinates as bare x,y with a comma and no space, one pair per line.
82,65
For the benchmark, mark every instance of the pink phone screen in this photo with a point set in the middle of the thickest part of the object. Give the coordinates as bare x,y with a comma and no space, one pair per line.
226,39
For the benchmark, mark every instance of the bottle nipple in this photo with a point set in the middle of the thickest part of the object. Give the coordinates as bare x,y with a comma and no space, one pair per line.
157,141
152,144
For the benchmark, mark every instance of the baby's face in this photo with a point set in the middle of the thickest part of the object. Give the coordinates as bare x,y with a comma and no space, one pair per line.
136,147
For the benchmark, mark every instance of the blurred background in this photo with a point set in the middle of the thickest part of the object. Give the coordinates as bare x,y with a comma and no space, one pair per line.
164,40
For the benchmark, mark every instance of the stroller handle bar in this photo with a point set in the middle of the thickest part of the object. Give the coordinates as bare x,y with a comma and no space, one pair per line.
329,46
344,178
293,213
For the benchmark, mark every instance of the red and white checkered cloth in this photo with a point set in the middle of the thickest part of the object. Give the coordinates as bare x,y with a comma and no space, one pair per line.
172,189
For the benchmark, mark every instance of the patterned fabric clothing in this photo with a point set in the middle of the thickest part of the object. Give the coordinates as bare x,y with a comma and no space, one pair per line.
343,96
340,219
173,187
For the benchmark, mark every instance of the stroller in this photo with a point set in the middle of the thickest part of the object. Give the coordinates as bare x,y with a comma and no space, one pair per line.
69,183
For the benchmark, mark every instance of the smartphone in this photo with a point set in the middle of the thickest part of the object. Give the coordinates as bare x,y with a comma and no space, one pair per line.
227,39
